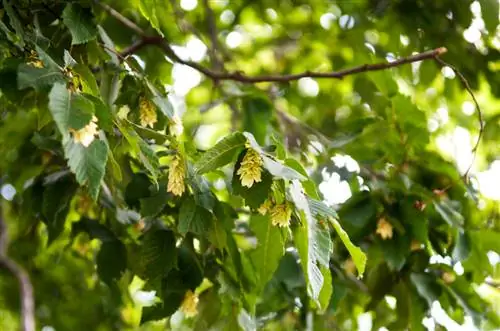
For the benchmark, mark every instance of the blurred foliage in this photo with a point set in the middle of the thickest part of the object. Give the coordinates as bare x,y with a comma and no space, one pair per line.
130,212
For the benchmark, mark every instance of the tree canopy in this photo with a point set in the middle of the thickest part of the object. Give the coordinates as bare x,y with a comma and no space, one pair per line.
243,165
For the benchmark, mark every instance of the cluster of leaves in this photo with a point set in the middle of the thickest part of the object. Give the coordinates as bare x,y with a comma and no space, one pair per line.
110,182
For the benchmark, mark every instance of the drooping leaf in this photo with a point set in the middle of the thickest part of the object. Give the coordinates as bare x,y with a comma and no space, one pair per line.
37,78
111,261
80,23
356,253
14,21
306,240
450,215
270,249
155,12
158,253
145,154
280,170
221,154
87,163
326,291
56,205
94,229
193,218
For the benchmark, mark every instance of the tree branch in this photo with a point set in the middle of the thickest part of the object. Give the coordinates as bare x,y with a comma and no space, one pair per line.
241,77
25,287
465,83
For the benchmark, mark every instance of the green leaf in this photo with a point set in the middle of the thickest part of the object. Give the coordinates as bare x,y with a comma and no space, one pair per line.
68,60
156,12
87,79
280,170
187,276
81,111
94,229
257,112
395,251
145,154
489,12
69,110
448,213
270,248
164,105
158,253
37,78
306,240
152,206
426,287
87,163
56,204
320,209
111,261
47,60
80,23
462,248
221,154
356,253
193,218
14,22
308,184
326,292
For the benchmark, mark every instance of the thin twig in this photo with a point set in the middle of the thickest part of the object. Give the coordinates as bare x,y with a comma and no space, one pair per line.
125,21
212,29
242,78
465,83
25,286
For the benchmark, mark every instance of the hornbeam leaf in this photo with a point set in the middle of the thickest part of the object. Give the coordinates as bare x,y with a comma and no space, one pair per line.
221,154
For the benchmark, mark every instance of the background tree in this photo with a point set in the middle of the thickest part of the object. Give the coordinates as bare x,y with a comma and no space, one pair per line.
243,164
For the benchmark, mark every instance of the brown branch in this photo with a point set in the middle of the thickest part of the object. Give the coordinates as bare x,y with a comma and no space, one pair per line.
25,287
242,78
465,83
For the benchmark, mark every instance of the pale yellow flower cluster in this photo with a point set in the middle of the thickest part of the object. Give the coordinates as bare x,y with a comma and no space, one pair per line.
86,135
281,214
147,112
189,304
250,168
176,176
384,229
176,127
264,208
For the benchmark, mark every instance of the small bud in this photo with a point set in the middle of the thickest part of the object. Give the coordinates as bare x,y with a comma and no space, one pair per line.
250,168
448,277
384,229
